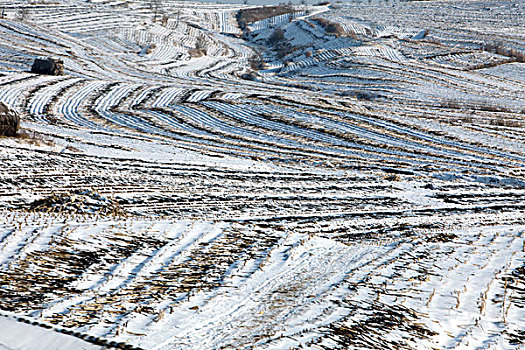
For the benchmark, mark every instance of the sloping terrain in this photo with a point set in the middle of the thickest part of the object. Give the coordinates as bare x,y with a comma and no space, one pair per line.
348,177
24,333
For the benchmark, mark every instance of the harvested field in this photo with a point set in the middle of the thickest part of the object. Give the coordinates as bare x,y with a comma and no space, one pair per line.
361,190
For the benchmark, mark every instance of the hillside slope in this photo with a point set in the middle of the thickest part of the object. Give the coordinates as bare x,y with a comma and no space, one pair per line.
363,187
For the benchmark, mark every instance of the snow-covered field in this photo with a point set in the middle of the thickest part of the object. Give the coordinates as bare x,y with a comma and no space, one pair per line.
360,190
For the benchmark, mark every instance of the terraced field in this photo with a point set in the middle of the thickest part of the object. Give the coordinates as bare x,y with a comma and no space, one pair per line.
363,188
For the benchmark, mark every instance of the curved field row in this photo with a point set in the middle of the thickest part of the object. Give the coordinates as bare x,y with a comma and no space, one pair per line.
369,137
360,189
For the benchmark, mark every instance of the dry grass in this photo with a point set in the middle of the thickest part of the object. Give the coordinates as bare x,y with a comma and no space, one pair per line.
500,49
330,27
34,138
501,121
247,16
195,53
484,106
9,121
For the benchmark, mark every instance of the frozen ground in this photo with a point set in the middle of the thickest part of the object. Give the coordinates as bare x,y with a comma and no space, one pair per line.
22,335
363,190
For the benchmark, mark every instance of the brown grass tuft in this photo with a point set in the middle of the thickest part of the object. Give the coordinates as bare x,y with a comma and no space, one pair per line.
9,121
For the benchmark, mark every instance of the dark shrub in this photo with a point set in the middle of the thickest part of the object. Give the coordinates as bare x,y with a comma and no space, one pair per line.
49,66
276,37
9,121
330,27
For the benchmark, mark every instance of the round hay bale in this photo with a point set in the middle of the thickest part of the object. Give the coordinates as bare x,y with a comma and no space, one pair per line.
9,121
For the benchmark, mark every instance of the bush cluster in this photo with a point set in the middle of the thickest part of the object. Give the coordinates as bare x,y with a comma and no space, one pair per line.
277,40
500,49
330,27
276,37
251,15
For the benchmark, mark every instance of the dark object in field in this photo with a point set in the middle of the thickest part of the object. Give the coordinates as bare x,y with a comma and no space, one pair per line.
276,37
77,202
249,76
48,66
443,237
9,121
362,95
